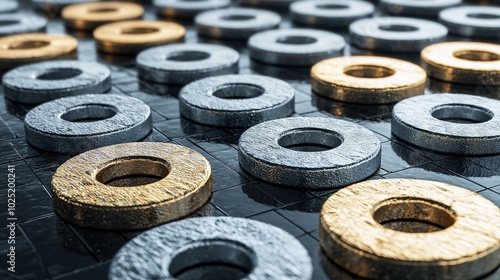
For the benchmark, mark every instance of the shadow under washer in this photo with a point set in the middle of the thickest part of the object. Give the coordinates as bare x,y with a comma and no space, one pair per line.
76,124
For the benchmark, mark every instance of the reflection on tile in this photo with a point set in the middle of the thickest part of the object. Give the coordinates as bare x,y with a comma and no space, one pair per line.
277,220
396,157
304,214
250,201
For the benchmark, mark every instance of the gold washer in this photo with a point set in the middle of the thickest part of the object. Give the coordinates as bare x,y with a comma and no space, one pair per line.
88,16
367,79
463,62
131,186
22,49
130,37
458,230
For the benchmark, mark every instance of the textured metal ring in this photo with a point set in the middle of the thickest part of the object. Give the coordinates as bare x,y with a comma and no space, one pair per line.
180,64
131,186
80,123
213,248
131,37
396,34
406,228
187,9
236,100
329,13
463,62
472,21
295,47
44,81
8,6
429,8
235,23
309,152
449,123
16,50
11,24
89,16
367,79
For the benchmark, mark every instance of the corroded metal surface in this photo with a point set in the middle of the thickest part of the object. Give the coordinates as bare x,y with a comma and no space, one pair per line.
186,9
363,230
368,80
97,189
472,21
20,23
173,251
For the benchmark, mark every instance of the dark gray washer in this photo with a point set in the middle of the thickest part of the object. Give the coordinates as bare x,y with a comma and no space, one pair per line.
235,23
427,8
295,47
421,121
44,81
8,6
262,250
330,13
187,9
11,24
265,151
154,63
266,99
472,21
121,119
396,34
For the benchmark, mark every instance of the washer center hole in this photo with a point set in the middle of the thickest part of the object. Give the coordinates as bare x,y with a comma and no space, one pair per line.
237,17
103,10
476,55
414,215
59,74
461,113
89,113
332,6
188,56
310,140
212,259
8,22
397,28
139,30
133,171
238,91
483,16
23,45
296,40
368,71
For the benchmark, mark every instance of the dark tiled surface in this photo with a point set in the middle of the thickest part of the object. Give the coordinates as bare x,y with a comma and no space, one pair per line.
49,248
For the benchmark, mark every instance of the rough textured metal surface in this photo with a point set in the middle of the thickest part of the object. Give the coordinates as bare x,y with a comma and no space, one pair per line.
235,23
472,21
367,79
329,13
236,100
44,81
262,250
295,47
180,64
8,6
16,50
449,123
11,24
463,62
359,230
80,123
96,189
396,34
429,8
187,9
350,152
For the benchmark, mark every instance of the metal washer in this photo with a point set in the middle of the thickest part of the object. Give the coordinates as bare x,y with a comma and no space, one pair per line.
329,13
295,47
265,151
472,21
244,100
54,126
421,121
187,9
180,64
235,23
21,23
429,8
44,81
8,6
260,250
407,35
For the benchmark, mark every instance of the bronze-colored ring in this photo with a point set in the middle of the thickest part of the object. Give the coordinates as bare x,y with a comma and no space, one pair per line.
21,49
130,37
463,62
88,16
367,79
131,186
407,228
